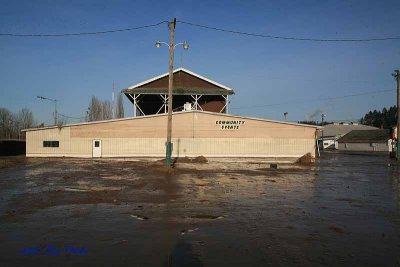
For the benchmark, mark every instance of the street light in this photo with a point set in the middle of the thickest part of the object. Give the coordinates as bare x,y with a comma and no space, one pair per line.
171,47
184,44
55,106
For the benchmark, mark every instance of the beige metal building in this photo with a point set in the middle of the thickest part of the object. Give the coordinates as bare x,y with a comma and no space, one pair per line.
366,140
194,133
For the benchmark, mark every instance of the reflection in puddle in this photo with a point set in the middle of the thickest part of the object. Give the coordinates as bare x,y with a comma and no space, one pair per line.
183,255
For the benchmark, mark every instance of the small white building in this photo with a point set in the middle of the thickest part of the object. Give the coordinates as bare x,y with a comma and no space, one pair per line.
367,140
332,132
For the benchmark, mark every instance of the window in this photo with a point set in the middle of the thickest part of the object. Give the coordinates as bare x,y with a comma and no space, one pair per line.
96,143
51,143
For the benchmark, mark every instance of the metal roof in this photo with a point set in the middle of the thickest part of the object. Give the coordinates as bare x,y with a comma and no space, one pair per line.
366,136
140,88
178,91
335,130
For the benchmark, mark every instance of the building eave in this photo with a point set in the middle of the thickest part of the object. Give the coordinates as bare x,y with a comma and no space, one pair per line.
177,70
177,91
175,113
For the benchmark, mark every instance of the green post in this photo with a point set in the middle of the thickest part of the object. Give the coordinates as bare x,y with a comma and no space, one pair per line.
168,156
398,149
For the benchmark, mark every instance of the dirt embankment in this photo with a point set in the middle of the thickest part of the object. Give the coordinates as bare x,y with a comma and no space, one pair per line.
307,159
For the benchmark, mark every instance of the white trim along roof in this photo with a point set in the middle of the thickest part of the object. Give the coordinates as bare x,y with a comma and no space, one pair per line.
184,70
175,113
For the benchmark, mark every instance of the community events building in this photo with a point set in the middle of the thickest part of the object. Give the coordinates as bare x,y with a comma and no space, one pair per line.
201,128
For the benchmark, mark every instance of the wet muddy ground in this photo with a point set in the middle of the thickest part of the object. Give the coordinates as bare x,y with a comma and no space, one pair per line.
342,211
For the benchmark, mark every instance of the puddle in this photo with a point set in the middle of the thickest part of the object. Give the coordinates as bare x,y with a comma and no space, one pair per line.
206,217
183,255
139,217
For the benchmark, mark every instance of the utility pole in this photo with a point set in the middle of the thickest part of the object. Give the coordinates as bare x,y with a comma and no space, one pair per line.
322,135
396,75
170,84
55,112
171,47
112,103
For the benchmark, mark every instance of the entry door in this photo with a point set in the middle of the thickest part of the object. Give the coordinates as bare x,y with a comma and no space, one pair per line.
96,148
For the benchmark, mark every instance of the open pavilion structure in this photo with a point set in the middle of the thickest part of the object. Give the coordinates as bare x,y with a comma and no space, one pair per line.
191,91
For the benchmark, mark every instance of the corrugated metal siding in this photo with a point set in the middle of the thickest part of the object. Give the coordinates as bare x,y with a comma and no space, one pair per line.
34,141
195,135
209,147
382,147
68,147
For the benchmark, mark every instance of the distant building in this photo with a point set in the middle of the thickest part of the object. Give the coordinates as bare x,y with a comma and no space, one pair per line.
332,132
366,140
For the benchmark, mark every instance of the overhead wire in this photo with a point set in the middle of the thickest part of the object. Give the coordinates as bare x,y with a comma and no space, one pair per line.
70,117
84,33
205,27
288,37
315,99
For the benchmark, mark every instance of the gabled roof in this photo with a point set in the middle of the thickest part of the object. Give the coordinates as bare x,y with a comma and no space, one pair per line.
366,136
186,82
336,130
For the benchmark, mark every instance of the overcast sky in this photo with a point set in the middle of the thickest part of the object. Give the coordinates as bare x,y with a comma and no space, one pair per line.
262,71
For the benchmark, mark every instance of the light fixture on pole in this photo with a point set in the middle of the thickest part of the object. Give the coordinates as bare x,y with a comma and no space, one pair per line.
171,47
184,44
55,106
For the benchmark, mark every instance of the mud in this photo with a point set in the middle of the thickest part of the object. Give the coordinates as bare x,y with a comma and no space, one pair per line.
11,161
342,211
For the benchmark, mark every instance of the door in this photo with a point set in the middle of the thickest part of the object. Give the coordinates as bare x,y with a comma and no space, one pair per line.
96,148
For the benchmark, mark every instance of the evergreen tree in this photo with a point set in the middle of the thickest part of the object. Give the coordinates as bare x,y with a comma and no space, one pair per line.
387,118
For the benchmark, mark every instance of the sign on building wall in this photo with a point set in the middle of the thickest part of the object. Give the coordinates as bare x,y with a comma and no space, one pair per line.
230,124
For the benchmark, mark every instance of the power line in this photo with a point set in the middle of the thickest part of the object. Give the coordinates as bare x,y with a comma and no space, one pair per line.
69,117
317,99
84,33
205,27
288,37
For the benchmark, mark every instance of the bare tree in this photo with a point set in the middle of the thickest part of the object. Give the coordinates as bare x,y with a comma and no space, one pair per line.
107,110
120,107
94,110
6,123
99,110
25,119
11,124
